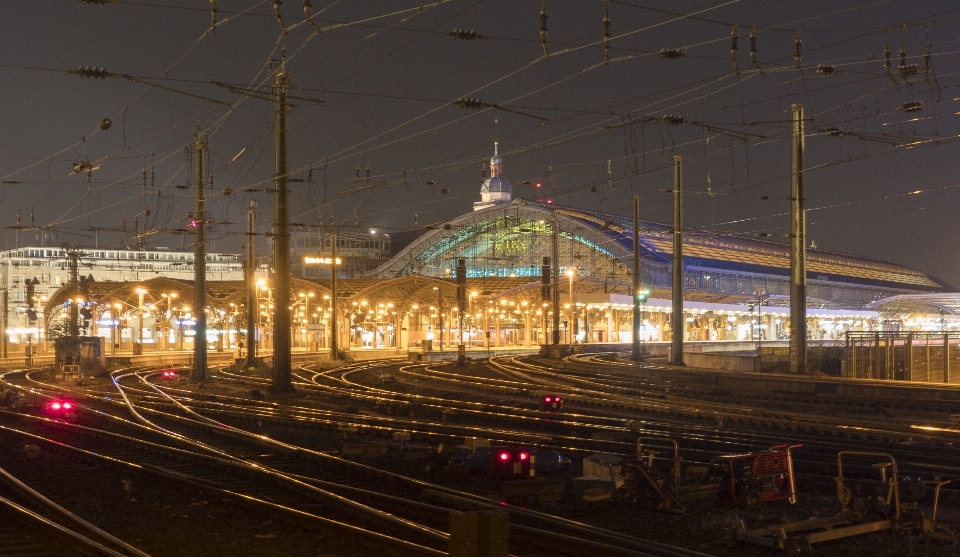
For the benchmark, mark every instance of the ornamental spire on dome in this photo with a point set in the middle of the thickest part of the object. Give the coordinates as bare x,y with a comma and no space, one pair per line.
495,189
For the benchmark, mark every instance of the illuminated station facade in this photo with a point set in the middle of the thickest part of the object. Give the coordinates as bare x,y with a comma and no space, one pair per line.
735,288
399,291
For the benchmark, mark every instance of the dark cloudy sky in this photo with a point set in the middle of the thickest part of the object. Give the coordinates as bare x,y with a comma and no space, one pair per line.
386,72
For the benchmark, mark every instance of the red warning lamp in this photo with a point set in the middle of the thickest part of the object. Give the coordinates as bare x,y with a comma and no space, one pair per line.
547,399
549,202
523,456
67,405
55,405
539,184
504,456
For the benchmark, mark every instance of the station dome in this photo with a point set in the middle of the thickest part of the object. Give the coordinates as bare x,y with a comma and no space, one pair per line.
495,189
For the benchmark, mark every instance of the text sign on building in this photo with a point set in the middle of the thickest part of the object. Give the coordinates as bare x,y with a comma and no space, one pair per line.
317,260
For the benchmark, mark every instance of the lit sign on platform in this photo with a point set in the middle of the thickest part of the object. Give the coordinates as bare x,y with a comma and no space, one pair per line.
314,260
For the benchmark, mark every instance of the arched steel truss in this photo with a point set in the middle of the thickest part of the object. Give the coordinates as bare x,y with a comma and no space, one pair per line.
511,241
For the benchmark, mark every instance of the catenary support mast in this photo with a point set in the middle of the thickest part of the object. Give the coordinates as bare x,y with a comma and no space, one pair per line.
798,252
200,268
676,317
635,355
251,285
281,244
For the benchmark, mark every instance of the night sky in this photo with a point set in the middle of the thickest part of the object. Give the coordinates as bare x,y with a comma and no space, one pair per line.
375,89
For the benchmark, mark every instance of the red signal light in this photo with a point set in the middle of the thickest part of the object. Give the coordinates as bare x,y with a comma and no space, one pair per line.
539,184
67,405
55,405
547,399
549,202
523,456
504,456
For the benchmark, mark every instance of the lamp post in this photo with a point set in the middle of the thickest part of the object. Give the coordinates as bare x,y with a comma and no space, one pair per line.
440,314
138,348
166,318
573,308
115,337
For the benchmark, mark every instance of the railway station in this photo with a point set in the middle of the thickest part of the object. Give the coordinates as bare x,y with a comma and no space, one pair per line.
482,278
735,289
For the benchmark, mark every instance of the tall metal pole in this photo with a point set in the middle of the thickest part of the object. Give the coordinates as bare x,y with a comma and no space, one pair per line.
251,285
200,270
798,252
281,244
676,317
334,326
635,355
556,279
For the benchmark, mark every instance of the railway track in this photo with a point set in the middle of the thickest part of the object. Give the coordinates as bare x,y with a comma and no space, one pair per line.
217,441
198,450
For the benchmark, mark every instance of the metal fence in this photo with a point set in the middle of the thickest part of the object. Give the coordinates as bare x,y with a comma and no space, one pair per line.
922,356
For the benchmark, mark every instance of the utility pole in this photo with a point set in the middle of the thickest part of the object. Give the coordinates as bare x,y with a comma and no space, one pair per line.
798,252
200,268
556,279
635,355
251,285
677,315
334,326
281,243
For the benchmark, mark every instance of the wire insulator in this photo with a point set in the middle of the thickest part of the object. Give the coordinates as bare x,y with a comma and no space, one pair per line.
927,66
471,104
309,18
276,11
908,69
673,53
213,14
832,131
903,57
826,69
798,53
912,106
465,34
672,120
543,27
753,48
91,72
606,31
886,61
733,48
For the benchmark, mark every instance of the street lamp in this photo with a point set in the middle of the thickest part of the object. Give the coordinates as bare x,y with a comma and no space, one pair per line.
440,313
166,316
138,349
115,322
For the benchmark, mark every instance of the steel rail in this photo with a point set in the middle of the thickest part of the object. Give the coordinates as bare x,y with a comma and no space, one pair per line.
24,488
170,475
64,530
